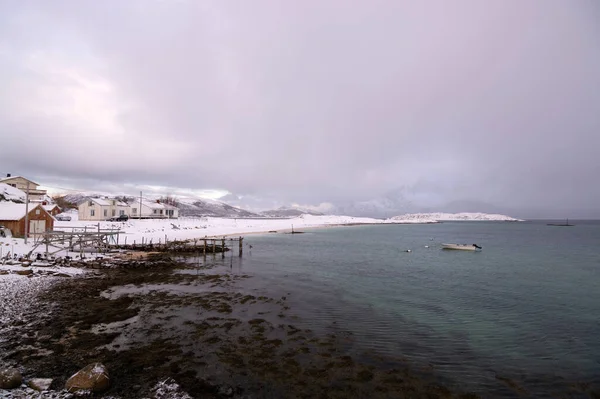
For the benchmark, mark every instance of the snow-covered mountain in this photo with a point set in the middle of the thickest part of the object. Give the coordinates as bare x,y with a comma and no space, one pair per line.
207,207
391,203
447,217
286,212
10,193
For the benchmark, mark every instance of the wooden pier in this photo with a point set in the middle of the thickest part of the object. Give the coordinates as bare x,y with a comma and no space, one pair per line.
97,240
202,246
77,241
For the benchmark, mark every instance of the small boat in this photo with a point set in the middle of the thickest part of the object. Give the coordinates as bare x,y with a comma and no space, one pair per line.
561,224
462,247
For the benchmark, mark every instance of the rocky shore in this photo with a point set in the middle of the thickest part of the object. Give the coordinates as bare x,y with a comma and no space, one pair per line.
152,327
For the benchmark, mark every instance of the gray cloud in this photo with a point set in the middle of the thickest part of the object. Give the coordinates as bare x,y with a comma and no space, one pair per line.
308,102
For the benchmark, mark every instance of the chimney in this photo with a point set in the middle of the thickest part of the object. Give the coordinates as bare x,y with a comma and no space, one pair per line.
8,175
158,201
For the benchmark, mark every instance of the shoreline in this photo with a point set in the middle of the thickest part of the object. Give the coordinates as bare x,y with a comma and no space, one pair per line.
196,329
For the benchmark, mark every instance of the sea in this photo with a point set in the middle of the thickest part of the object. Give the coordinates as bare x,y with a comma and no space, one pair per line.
520,318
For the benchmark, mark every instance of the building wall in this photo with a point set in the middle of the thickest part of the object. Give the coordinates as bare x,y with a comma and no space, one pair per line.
101,212
84,210
148,212
17,227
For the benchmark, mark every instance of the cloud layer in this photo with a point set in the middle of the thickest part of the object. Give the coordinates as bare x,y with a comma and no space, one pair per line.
308,102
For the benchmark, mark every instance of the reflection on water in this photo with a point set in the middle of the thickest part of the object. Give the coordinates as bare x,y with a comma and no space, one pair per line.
526,309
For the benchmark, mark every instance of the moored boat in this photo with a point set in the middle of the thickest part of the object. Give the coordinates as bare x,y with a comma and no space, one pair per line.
462,247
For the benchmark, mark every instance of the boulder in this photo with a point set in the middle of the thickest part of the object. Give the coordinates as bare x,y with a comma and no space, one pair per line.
93,377
25,272
40,384
10,378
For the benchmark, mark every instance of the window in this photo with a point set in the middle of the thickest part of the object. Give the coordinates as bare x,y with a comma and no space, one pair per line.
121,213
114,212
91,203
105,212
134,211
14,185
92,212
161,211
114,203
155,211
37,211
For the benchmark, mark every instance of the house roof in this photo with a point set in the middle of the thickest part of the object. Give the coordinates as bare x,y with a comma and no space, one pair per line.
104,201
11,193
18,177
50,207
12,211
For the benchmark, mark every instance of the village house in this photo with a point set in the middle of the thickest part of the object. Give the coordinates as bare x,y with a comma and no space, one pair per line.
153,210
101,209
12,216
24,184
52,209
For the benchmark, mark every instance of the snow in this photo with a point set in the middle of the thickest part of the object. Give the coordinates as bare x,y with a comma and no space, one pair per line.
12,211
446,217
157,230
11,193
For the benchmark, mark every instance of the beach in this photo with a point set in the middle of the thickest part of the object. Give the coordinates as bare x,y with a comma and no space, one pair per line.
157,318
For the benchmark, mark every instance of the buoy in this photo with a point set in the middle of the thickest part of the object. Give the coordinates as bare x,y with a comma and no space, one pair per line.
408,250
426,246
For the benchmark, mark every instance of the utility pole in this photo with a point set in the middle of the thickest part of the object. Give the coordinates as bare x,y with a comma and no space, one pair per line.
140,205
27,213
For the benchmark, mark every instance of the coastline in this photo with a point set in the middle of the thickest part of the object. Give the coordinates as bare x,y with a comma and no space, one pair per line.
155,319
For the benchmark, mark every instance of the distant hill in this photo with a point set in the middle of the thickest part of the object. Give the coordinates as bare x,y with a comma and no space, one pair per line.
285,212
205,207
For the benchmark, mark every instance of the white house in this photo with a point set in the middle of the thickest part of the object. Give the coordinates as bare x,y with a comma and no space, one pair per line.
24,184
101,208
153,210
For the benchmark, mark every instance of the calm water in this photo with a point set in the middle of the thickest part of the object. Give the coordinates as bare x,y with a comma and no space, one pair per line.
526,308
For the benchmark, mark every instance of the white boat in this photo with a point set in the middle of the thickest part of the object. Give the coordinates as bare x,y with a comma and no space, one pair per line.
462,247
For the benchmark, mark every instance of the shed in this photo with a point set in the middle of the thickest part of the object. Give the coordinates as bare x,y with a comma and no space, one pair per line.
12,216
52,209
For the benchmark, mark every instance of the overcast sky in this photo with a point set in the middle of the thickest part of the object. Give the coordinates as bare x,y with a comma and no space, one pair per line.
307,101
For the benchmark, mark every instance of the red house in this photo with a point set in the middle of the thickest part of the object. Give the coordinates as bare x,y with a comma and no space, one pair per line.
12,216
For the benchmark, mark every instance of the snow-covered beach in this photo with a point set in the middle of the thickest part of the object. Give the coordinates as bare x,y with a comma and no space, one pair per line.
157,230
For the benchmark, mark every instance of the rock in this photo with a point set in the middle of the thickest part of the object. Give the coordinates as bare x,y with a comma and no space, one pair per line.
62,275
93,377
40,384
25,272
10,378
3,272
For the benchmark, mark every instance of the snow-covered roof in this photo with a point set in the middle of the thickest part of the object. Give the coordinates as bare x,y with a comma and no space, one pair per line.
157,205
104,202
12,211
18,177
50,207
11,193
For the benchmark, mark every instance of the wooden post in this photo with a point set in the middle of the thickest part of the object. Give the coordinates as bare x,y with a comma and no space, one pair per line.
241,246
223,248
204,250
214,242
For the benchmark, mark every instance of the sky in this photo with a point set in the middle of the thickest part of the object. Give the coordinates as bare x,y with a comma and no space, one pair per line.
313,102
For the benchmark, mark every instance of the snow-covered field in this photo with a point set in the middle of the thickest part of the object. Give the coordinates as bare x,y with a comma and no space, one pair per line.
448,217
